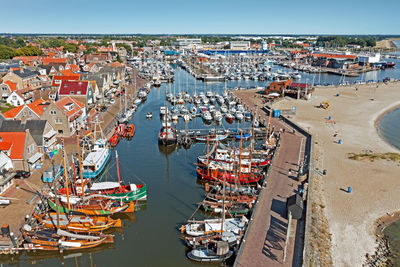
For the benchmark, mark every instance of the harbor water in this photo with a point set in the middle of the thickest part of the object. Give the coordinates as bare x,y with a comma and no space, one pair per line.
389,127
150,237
392,233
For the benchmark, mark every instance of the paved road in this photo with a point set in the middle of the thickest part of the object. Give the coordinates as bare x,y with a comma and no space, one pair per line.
265,241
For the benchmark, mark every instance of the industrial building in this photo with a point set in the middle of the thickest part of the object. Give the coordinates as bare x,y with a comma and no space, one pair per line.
187,42
239,45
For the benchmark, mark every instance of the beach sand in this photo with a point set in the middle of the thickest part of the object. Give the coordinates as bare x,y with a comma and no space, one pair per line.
375,185
388,44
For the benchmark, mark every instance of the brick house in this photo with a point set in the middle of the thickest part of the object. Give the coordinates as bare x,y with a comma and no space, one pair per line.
81,91
66,116
278,87
7,88
22,77
58,79
42,132
22,149
31,111
98,58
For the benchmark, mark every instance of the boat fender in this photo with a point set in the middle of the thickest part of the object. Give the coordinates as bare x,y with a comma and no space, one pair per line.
182,229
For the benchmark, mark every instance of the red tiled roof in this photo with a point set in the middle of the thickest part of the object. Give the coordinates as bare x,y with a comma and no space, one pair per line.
58,79
73,88
13,112
17,139
68,72
74,67
11,85
49,60
5,146
65,101
115,64
37,106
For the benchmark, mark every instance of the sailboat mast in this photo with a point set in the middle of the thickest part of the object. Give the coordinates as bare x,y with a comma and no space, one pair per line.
66,176
240,153
223,207
80,164
119,177
73,167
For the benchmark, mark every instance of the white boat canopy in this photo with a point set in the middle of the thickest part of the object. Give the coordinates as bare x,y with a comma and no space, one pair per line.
104,186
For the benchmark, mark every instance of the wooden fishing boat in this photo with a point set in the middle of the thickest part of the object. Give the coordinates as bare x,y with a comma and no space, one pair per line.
211,253
200,241
210,226
212,138
167,135
51,239
95,207
232,208
77,223
235,198
218,175
223,155
126,193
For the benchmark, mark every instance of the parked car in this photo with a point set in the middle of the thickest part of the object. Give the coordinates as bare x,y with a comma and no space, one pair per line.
112,101
20,174
103,108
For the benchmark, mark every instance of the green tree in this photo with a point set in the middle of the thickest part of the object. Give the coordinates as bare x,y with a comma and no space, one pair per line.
70,47
56,42
28,51
20,42
6,52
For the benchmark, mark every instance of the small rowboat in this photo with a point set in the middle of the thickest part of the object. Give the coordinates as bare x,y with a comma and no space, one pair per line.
51,240
77,223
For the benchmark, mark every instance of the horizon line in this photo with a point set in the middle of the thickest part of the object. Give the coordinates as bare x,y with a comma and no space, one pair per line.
222,34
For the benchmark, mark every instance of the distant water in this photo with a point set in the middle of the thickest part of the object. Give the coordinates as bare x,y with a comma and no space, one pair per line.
389,127
392,233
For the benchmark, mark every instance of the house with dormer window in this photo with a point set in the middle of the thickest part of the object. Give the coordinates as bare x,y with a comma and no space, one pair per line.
31,111
81,91
66,116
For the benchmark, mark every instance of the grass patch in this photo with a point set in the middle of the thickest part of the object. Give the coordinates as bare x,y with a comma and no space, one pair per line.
5,109
374,156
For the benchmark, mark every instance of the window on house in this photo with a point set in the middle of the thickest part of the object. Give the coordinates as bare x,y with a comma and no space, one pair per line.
78,93
29,149
60,131
71,92
58,121
53,112
24,113
14,97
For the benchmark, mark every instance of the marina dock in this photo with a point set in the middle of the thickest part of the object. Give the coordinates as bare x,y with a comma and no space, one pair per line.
270,239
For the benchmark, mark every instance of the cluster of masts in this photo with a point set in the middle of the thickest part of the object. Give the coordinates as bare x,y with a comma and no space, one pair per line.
232,179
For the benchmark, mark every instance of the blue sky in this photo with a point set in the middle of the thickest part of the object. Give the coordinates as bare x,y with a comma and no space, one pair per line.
201,16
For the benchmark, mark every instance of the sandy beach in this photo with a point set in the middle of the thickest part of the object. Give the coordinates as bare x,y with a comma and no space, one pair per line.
375,185
387,44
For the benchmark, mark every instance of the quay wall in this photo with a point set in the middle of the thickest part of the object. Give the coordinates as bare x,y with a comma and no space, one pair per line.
308,170
265,183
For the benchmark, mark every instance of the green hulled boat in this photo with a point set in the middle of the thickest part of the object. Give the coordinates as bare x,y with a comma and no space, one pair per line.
93,208
126,193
